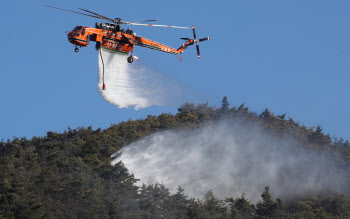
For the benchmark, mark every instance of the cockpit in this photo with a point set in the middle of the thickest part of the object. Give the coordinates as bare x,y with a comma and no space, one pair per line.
79,31
79,36
77,28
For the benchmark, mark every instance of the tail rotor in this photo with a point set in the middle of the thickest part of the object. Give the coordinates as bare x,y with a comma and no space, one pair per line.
195,41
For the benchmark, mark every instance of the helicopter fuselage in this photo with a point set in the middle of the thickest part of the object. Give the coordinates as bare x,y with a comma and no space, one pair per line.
114,38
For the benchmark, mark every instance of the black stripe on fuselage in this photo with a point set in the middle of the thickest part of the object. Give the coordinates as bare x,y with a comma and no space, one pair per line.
76,39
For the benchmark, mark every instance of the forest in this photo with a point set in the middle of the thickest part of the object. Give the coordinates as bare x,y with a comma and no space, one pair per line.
69,174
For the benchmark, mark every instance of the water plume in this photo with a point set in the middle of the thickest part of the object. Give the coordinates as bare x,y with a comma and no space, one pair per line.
133,85
230,158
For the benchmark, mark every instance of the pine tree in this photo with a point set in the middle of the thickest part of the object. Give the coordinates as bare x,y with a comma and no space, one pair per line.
225,105
267,207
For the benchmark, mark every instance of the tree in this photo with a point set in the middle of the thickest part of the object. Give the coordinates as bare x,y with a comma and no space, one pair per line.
241,207
225,105
213,206
267,207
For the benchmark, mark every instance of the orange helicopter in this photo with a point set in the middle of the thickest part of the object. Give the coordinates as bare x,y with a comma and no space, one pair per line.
112,37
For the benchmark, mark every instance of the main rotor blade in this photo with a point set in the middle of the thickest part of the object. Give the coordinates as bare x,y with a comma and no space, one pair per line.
72,11
155,25
100,16
142,21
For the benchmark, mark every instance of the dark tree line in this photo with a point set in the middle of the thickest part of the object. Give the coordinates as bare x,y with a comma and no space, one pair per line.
68,175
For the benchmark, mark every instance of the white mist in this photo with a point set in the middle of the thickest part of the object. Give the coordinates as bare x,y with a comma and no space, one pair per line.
230,158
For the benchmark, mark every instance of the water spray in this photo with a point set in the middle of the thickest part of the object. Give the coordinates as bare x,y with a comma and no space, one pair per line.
133,85
231,158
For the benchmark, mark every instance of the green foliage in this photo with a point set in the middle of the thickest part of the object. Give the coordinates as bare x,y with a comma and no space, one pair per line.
69,175
225,105
241,207
267,207
214,208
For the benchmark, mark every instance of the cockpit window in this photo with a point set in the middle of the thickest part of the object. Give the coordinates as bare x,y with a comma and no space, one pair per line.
83,32
77,28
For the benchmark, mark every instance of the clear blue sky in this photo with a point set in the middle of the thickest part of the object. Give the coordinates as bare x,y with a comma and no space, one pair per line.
288,56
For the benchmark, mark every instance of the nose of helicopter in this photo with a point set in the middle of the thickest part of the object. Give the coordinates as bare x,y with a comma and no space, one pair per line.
78,38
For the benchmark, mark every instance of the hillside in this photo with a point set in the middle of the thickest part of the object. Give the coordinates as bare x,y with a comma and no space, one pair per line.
69,175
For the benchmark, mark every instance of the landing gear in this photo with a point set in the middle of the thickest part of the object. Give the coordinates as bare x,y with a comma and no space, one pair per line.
130,59
76,49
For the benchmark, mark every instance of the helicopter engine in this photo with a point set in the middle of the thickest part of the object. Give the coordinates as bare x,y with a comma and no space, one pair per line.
108,26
